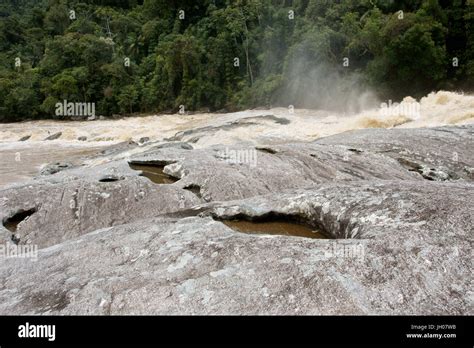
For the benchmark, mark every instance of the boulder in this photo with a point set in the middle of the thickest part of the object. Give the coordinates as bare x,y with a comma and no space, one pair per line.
143,140
25,138
54,136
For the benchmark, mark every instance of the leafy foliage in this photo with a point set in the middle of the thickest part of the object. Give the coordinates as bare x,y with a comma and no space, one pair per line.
132,56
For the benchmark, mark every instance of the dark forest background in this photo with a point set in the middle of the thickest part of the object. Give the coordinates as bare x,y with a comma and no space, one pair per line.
191,61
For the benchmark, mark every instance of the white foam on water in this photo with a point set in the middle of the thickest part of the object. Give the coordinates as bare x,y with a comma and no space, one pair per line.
436,109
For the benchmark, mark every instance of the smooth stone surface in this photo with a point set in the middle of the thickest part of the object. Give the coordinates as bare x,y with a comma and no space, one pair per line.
398,203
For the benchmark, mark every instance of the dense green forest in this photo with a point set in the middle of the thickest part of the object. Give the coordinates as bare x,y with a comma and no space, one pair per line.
131,56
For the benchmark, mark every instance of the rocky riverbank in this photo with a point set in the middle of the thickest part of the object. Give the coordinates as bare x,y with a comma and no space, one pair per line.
393,209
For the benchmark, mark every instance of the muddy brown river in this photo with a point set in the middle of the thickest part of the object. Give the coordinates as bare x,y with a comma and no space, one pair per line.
22,160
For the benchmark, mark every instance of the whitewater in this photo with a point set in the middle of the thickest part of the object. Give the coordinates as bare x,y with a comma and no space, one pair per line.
21,160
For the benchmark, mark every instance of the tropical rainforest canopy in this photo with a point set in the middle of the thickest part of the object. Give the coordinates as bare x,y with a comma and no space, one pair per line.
129,56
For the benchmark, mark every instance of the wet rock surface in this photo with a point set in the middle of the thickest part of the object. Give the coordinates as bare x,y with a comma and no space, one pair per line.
54,136
438,154
54,168
395,205
25,138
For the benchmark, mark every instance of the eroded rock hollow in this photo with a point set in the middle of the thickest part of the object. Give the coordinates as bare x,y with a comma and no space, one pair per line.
171,229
